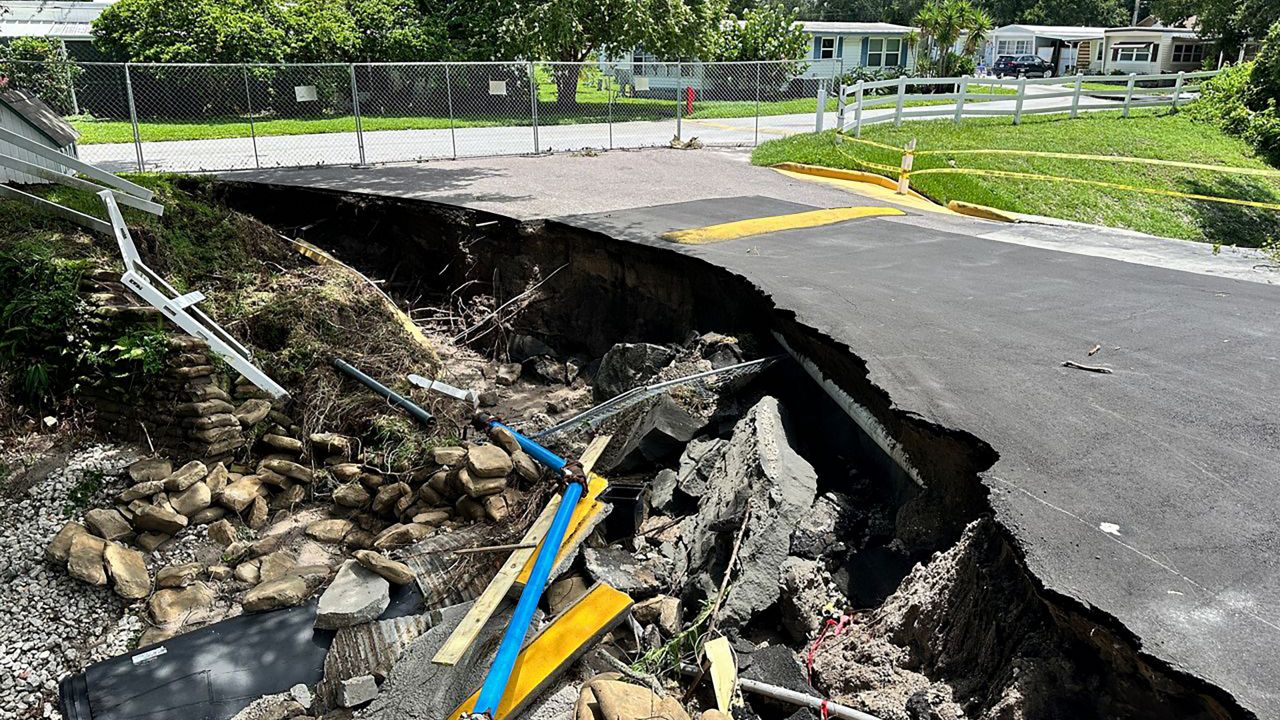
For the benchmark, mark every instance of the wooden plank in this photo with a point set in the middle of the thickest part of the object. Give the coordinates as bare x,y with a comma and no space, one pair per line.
580,524
554,649
493,595
724,672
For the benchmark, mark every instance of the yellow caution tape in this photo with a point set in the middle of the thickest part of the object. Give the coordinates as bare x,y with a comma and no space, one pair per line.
872,143
1097,183
1263,172
872,165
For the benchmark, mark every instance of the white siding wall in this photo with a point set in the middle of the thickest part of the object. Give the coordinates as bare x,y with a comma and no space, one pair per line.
12,122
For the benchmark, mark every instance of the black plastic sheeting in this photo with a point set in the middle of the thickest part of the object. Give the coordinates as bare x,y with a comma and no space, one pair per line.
214,672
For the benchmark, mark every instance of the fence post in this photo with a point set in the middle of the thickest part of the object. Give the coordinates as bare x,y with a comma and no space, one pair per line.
819,116
902,94
448,95
1022,94
858,93
1075,99
610,94
908,159
533,104
133,117
679,98
964,88
248,98
355,108
1128,94
756,140
1177,89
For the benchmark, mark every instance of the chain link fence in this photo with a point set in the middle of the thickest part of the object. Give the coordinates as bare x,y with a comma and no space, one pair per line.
186,118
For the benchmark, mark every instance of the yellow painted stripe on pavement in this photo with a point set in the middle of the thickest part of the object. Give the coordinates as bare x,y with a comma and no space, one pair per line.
775,223
876,187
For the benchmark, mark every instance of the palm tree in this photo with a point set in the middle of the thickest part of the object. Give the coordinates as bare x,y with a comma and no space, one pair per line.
942,23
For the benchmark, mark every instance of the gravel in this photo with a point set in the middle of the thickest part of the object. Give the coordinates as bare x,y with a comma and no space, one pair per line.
52,624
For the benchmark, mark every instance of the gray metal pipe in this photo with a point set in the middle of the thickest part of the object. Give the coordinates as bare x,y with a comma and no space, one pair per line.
422,416
793,697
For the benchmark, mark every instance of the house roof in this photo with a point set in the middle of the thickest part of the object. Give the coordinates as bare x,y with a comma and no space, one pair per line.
854,28
40,116
1056,32
63,20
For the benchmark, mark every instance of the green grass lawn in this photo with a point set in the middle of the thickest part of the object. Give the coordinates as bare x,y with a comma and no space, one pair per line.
1151,134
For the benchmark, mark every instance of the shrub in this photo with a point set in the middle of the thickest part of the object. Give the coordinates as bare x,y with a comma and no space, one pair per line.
42,321
37,65
1264,79
1229,100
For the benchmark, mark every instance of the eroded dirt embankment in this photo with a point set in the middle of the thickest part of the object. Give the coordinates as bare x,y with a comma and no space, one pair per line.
982,634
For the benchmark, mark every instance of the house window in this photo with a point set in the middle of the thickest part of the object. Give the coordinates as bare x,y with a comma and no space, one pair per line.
1013,47
884,52
826,48
1133,53
1188,53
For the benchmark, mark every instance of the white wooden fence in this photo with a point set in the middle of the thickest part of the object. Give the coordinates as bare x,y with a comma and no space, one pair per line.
961,97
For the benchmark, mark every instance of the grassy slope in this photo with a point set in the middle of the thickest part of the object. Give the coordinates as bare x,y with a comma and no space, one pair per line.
1151,134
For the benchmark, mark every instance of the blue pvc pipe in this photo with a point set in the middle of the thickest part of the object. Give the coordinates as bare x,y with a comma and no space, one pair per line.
495,683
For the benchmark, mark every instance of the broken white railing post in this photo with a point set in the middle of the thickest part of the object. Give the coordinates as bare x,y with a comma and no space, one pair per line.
858,94
1075,99
963,88
181,309
908,159
1022,94
1177,88
1128,94
902,94
840,106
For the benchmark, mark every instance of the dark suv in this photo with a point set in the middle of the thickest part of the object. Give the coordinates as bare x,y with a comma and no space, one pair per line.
1029,65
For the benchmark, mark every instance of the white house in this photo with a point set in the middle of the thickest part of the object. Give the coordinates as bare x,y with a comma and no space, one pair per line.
27,116
1149,47
71,23
843,46
1059,44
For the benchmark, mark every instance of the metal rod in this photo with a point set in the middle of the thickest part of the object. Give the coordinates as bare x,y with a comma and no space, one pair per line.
422,416
495,683
533,104
355,107
448,93
253,135
793,697
133,117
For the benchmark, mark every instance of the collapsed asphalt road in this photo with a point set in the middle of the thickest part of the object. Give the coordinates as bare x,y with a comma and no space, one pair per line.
1142,496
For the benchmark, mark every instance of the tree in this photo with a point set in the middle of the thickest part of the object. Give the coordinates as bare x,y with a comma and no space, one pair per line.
571,31
192,31
766,32
941,24
1232,22
321,31
397,31
38,66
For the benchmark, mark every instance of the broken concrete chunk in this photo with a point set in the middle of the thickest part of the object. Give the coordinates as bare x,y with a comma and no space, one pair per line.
760,480
629,365
357,691
185,476
251,412
150,470
393,571
357,595
662,490
195,498
697,464
563,593
282,592
822,530
160,519
660,434
488,461
619,568
178,576
60,546
107,523
172,605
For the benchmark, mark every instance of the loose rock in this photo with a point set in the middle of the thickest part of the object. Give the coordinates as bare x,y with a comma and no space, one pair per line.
185,476
357,595
84,561
107,524
172,605
282,592
128,571
393,571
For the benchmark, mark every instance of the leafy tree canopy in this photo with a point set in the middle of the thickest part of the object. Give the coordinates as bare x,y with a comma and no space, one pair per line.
1232,20
575,30
191,31
766,32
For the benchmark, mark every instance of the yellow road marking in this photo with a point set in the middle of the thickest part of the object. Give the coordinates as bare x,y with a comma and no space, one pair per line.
867,185
579,525
775,223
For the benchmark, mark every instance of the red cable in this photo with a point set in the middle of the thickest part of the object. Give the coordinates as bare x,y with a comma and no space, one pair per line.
813,649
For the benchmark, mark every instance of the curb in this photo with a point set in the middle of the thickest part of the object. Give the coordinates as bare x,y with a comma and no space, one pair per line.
982,211
839,174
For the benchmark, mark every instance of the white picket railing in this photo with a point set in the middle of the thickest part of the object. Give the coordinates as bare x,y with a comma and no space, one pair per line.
961,97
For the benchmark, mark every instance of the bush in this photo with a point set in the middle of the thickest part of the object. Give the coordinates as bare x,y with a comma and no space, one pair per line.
1264,80
37,65
1230,101
43,321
